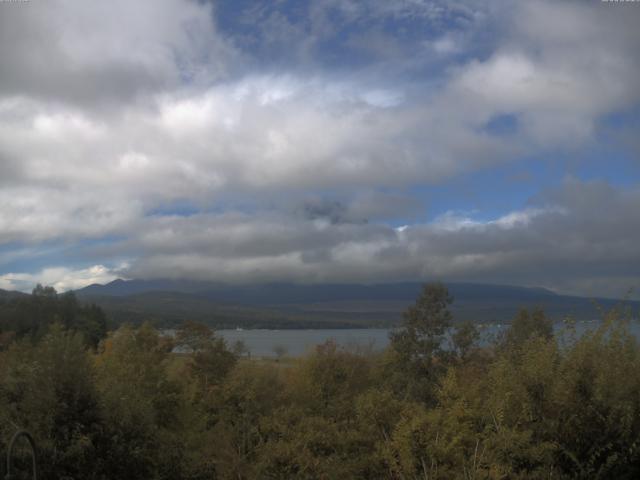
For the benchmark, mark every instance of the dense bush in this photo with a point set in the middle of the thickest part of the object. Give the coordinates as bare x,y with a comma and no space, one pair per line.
532,405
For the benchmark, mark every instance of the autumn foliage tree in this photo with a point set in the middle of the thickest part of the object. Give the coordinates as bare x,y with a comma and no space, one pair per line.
417,346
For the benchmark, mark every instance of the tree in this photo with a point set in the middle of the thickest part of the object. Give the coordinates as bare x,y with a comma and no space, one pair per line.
464,337
47,291
417,345
210,359
249,394
141,406
527,325
48,389
193,336
240,349
280,351
32,316
315,432
212,363
92,323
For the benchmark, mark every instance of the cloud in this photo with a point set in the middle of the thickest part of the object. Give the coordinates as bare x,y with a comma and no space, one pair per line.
84,173
363,207
565,240
560,68
299,137
61,278
31,215
452,221
95,53
256,132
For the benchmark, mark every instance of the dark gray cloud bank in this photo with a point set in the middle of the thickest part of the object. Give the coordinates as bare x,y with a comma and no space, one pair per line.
293,165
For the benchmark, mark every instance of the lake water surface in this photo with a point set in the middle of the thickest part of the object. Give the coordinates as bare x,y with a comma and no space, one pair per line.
263,343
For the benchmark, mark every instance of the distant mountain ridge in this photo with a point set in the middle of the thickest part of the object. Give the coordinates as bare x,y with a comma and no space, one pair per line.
286,305
8,294
289,293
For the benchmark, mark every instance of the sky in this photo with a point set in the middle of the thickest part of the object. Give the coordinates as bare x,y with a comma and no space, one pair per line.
321,141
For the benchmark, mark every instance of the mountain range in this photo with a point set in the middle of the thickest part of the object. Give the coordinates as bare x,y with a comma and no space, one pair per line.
10,294
286,305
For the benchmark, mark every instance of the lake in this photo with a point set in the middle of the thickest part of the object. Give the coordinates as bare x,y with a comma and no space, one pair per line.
262,343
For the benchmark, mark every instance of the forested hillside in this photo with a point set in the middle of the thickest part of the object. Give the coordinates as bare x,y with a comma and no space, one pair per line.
286,305
31,316
531,405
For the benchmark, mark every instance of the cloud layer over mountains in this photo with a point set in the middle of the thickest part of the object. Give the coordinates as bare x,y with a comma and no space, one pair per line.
257,142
